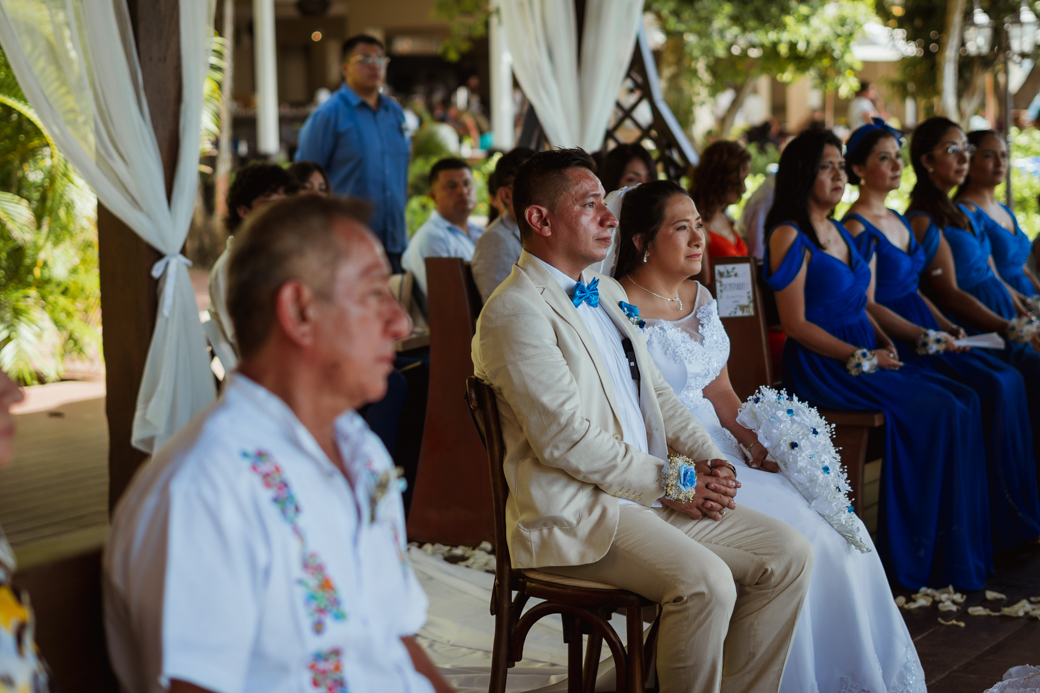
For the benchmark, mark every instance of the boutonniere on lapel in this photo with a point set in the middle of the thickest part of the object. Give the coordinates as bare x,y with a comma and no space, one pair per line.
383,483
632,313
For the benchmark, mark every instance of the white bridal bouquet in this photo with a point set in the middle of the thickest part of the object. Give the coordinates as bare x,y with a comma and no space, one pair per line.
800,441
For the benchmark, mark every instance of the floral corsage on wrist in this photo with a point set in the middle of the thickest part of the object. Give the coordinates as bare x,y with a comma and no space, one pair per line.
862,361
930,342
632,313
1023,328
679,478
1033,303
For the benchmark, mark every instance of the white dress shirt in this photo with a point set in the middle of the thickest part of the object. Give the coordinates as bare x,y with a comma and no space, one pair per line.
608,340
241,559
438,237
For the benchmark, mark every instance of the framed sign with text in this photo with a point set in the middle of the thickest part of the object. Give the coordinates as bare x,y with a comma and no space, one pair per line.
733,290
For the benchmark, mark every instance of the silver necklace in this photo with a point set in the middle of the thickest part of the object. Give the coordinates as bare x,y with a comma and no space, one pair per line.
663,298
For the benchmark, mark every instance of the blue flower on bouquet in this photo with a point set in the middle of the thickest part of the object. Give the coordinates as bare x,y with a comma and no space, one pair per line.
632,313
687,477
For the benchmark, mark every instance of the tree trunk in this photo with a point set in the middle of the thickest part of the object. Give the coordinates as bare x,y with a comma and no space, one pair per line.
743,91
973,95
224,144
948,58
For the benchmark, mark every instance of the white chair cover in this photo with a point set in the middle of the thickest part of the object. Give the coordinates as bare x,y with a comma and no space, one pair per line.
77,64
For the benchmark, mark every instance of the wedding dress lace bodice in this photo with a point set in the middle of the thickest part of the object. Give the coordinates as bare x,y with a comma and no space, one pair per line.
691,352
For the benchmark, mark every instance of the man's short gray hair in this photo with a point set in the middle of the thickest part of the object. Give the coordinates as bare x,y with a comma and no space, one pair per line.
289,239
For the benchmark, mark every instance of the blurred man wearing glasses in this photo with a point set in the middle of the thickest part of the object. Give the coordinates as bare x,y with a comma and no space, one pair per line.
361,138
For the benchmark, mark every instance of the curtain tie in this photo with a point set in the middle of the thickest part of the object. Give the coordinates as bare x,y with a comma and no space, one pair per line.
171,280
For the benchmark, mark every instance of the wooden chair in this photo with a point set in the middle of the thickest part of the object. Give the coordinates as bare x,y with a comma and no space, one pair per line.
585,606
451,502
750,367
66,601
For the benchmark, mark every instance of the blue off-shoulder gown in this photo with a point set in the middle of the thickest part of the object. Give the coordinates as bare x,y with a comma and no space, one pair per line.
933,523
971,253
1013,497
1010,250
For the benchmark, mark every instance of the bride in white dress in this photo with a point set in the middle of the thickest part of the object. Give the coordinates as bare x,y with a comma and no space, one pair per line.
851,637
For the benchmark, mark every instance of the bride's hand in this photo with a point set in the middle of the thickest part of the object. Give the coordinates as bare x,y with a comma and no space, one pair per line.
759,459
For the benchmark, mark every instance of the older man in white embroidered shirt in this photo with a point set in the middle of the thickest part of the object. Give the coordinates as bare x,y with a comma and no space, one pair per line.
263,549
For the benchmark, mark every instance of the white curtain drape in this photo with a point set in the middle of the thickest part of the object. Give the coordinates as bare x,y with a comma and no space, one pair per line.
77,64
574,105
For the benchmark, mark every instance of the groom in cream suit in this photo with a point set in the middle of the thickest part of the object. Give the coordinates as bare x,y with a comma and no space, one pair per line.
587,434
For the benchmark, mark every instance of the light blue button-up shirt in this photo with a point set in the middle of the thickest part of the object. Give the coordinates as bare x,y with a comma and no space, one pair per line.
438,237
365,153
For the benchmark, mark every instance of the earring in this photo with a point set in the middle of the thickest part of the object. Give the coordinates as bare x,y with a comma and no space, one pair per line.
931,170
645,256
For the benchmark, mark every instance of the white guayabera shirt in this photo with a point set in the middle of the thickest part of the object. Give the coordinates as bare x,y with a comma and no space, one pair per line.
241,559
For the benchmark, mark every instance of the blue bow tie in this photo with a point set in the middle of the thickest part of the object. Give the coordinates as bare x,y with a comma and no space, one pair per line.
586,294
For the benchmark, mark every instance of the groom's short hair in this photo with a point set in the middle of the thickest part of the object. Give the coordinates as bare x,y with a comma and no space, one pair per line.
542,179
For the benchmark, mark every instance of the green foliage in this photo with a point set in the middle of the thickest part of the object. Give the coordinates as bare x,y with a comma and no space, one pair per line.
1025,187
924,24
726,44
49,292
468,22
211,99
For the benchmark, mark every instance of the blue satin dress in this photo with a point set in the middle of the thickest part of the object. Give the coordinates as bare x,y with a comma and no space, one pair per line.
1010,250
933,523
1013,497
971,253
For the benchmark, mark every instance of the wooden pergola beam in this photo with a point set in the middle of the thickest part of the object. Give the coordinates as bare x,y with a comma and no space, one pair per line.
128,291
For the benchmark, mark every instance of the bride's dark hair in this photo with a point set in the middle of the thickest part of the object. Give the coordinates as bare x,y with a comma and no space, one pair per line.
642,214
795,179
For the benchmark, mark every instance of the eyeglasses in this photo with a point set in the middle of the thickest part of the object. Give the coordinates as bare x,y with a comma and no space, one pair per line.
371,60
955,149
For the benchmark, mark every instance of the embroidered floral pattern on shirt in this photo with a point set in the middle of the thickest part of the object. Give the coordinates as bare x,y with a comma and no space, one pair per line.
320,596
322,600
327,671
264,465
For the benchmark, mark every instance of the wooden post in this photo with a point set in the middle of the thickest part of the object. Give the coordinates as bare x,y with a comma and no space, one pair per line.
128,291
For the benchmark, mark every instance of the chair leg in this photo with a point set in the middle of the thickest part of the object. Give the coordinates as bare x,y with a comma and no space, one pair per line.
634,627
593,649
572,636
853,443
500,660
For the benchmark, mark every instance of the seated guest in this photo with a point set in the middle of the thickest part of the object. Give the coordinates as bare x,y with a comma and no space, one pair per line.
1011,247
448,232
753,218
254,186
958,260
718,182
627,164
264,546
498,248
587,435
310,178
658,221
934,525
884,240
21,667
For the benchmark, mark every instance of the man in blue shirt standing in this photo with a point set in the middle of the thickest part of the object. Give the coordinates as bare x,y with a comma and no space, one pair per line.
361,139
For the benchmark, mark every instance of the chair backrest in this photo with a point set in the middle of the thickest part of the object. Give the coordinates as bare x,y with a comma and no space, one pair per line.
741,311
484,409
66,601
451,503
403,288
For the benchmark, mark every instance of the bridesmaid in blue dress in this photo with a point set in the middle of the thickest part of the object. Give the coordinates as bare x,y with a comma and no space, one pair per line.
1011,247
884,240
933,525
958,272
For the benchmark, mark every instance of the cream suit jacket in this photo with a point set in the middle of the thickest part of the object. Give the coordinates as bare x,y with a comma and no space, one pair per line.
566,464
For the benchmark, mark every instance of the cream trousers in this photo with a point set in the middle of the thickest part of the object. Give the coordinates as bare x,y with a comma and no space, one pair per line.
730,591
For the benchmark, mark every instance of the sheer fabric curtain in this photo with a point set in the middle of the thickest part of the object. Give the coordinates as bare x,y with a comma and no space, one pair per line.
573,105
77,64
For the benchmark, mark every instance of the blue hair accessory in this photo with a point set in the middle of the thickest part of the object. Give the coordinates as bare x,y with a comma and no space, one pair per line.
877,124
